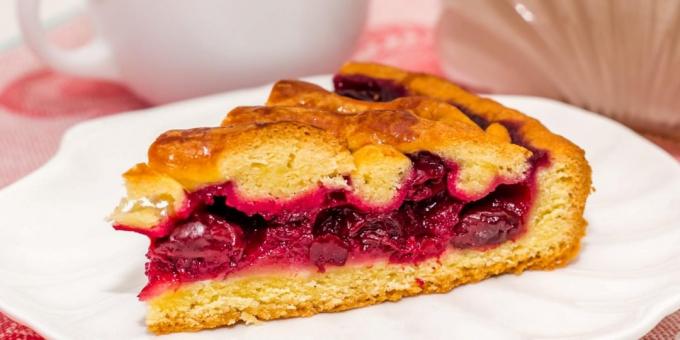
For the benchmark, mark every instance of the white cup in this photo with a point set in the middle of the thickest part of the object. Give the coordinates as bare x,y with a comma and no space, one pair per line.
174,49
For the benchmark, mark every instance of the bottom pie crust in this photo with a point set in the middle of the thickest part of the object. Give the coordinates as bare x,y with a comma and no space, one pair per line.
286,294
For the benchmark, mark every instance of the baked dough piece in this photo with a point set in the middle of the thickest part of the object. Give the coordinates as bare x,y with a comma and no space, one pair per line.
320,202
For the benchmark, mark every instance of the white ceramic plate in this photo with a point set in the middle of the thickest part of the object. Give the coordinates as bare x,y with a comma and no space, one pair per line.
65,272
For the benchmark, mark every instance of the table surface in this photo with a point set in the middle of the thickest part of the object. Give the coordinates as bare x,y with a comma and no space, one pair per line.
38,105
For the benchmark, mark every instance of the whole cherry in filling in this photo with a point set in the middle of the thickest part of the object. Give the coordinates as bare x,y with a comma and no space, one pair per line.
202,245
216,239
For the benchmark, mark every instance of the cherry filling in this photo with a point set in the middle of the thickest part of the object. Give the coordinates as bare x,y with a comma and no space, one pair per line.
215,240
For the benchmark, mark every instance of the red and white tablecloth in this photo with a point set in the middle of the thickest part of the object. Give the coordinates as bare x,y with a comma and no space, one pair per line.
37,105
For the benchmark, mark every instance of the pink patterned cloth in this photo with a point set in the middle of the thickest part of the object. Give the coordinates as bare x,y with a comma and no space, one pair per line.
37,105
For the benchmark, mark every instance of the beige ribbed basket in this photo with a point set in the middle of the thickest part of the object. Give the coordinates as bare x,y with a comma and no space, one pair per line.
620,58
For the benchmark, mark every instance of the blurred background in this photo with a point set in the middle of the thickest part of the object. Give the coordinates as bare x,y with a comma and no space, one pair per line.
66,61
38,103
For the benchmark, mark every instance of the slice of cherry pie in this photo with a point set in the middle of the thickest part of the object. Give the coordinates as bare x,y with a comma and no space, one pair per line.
395,185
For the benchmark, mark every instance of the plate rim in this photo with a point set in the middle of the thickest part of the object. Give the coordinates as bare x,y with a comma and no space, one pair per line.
656,312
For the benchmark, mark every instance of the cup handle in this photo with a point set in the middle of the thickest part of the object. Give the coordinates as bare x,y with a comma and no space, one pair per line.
94,60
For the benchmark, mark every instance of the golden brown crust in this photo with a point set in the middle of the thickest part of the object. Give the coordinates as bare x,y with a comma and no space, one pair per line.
297,93
255,143
200,157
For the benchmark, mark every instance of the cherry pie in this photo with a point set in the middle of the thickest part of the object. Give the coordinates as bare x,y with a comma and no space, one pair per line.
395,185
